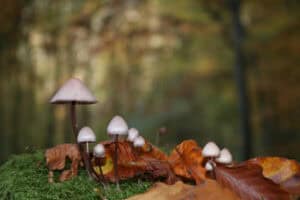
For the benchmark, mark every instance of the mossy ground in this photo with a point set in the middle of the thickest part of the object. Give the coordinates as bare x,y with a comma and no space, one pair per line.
25,177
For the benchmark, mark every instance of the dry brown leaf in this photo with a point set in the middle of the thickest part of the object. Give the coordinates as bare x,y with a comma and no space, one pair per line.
151,151
282,171
56,159
187,161
209,190
247,181
161,191
137,162
65,175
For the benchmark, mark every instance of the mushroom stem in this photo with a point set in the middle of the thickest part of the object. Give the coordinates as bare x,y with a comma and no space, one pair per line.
73,119
85,156
157,138
102,175
87,147
116,162
99,164
213,164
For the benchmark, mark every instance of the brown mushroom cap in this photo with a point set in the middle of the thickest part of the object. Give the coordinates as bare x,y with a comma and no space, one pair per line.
73,91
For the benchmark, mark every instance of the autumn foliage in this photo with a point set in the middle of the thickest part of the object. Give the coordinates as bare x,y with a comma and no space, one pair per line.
269,178
186,161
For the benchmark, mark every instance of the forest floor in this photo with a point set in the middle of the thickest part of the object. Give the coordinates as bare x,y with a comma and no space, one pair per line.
25,177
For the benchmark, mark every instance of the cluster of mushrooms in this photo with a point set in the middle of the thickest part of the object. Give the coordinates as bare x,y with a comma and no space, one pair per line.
116,127
74,92
214,155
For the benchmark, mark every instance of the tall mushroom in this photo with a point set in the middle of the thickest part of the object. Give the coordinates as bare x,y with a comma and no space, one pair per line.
75,92
117,126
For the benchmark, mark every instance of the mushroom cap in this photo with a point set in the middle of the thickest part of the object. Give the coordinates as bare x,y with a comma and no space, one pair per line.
139,142
132,134
211,150
225,157
209,166
73,91
117,126
86,134
99,151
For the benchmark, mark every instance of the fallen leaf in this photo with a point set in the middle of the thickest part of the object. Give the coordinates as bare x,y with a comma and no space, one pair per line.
136,162
56,160
161,191
282,171
151,151
247,181
209,190
65,175
187,161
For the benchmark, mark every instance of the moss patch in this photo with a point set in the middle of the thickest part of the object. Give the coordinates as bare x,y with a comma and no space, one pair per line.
25,177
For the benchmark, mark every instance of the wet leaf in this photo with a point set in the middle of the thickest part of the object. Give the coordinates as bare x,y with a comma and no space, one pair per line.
282,171
187,161
247,181
136,162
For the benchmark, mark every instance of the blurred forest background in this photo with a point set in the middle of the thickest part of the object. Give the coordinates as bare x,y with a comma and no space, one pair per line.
158,63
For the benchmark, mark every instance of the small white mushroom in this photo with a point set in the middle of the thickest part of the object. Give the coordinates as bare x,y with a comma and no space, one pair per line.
139,142
86,135
211,150
117,126
133,133
209,166
225,157
99,151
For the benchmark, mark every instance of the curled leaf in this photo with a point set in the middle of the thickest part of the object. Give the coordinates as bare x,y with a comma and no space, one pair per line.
136,162
56,160
187,161
247,181
281,171
65,175
151,151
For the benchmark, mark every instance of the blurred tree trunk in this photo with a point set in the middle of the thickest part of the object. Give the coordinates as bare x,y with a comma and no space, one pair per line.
238,36
10,19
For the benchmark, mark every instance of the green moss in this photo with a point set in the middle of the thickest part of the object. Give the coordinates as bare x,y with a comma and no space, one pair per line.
25,177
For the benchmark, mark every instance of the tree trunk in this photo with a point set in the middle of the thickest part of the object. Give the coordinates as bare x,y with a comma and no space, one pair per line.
238,37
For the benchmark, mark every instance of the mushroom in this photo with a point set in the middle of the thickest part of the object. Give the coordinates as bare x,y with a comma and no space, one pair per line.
133,133
161,131
209,166
99,153
139,142
225,157
116,127
211,150
86,135
73,92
